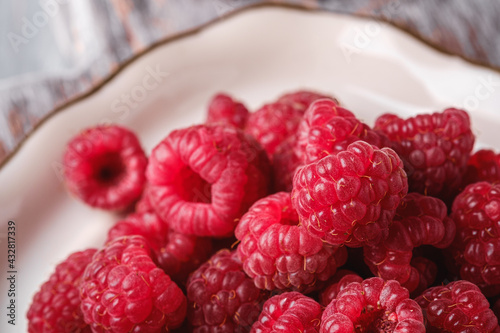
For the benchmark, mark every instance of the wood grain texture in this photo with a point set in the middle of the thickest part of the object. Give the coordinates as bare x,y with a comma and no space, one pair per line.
126,29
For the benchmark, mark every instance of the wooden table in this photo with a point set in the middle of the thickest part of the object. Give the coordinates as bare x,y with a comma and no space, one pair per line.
128,29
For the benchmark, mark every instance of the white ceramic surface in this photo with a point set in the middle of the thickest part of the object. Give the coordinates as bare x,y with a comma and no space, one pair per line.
255,56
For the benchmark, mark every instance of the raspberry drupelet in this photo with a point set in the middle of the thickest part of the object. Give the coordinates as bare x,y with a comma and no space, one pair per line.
272,124
225,110
327,128
56,306
434,147
419,220
122,290
177,254
301,99
350,197
104,166
457,307
203,178
285,162
275,122
278,253
221,297
337,283
476,248
374,305
483,165
289,312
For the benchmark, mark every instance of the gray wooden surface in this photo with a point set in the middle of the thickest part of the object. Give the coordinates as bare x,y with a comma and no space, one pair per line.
46,64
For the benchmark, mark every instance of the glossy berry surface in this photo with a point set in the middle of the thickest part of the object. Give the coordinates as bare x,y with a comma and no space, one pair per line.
337,283
301,99
272,124
56,306
203,178
177,254
221,297
104,167
350,197
289,312
373,305
419,220
278,253
434,147
122,290
223,109
327,128
476,248
457,307
483,165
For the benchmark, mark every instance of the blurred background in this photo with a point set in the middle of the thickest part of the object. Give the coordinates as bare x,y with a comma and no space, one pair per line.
53,51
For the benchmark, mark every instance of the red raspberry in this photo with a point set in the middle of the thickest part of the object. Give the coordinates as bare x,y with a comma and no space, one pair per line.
457,307
285,162
351,197
434,147
419,220
272,124
327,128
177,254
301,99
484,165
278,253
56,306
424,271
203,178
338,282
476,211
104,166
221,297
373,305
122,290
289,312
144,204
224,110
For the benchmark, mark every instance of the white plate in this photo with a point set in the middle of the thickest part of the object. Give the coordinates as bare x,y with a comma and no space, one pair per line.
255,56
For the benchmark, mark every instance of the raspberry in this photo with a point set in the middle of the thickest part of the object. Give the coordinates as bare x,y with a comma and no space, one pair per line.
285,162
351,197
144,204
56,306
373,305
327,128
221,297
104,166
122,290
223,109
301,99
434,147
457,307
279,254
338,282
272,124
205,177
289,312
419,220
476,211
484,165
177,254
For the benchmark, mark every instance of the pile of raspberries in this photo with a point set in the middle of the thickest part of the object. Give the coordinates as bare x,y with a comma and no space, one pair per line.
297,217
